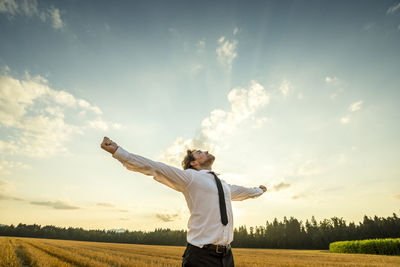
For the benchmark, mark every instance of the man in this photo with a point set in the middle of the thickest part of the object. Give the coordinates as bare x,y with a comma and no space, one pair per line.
210,226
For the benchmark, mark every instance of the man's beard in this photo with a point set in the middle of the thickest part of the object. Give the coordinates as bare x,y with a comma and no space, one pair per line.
209,161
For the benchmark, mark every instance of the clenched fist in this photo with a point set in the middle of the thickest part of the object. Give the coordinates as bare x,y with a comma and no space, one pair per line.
108,145
263,188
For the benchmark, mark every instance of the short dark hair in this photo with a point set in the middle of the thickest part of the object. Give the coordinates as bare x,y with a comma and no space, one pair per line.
188,158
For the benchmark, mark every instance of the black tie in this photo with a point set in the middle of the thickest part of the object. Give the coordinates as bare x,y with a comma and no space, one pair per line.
222,205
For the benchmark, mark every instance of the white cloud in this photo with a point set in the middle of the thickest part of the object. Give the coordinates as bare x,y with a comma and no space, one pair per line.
35,113
393,8
55,17
235,30
8,6
100,124
226,52
285,87
30,8
6,165
59,204
330,79
345,120
355,106
244,103
200,45
7,189
352,108
195,68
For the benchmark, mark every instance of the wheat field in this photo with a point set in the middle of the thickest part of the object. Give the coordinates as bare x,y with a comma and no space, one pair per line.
18,251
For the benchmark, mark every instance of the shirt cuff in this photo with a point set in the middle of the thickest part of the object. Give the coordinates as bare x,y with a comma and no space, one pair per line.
121,154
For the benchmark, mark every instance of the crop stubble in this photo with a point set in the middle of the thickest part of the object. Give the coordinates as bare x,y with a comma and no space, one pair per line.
18,251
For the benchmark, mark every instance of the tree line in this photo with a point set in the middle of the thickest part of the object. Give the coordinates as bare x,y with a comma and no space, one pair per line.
289,233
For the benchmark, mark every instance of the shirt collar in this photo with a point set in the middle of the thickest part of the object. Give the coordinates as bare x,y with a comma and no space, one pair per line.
207,171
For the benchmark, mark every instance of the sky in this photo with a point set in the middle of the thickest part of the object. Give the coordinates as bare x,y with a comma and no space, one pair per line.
299,96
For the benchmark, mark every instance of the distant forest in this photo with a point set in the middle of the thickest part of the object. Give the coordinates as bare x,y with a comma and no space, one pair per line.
289,233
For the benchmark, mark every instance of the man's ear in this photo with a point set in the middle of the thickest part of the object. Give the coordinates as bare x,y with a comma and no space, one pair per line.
193,163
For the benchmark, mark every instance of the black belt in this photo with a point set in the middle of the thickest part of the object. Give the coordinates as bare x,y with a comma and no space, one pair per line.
219,249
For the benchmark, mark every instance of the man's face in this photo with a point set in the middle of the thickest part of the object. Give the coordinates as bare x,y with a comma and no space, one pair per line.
203,158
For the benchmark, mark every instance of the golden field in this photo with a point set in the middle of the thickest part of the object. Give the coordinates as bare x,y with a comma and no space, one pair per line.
18,251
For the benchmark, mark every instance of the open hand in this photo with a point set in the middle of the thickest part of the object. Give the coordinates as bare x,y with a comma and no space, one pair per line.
108,145
264,189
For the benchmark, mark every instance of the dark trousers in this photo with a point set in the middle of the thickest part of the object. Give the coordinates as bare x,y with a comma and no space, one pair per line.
199,257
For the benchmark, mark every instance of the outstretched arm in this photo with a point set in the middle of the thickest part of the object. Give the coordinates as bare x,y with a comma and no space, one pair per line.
241,193
170,176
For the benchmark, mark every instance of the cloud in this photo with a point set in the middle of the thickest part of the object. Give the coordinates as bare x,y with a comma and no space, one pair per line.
235,30
107,205
6,191
59,205
345,120
200,45
9,197
167,217
280,186
330,79
37,115
100,124
352,108
226,52
30,8
285,87
300,196
195,68
355,106
393,8
6,165
56,20
122,210
396,196
244,103
8,6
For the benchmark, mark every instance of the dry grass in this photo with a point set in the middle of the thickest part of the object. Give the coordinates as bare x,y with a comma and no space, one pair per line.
17,251
7,253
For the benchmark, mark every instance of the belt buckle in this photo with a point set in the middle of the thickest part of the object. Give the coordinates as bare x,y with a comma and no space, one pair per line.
217,247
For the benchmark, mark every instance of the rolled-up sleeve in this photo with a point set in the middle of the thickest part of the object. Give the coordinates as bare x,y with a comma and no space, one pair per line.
170,176
241,193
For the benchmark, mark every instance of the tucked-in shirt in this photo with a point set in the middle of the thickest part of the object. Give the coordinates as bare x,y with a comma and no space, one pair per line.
201,194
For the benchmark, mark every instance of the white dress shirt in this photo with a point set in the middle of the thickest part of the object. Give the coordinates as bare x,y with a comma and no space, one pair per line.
201,194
